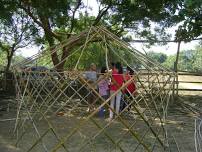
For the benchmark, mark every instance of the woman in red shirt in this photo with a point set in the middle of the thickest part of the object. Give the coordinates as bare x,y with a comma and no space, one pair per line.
116,83
131,87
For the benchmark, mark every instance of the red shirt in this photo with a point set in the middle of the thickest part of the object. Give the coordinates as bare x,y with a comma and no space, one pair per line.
118,78
131,86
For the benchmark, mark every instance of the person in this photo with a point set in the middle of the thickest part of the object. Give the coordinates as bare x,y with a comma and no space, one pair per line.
131,87
91,74
91,77
103,88
116,83
103,84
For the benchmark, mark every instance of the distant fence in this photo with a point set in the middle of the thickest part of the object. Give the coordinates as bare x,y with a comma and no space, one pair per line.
185,81
189,81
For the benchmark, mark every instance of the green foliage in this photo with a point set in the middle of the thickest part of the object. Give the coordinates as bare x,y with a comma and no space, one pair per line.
190,15
116,14
159,57
17,34
95,53
169,63
197,60
189,60
17,59
7,8
52,21
2,59
3,55
139,16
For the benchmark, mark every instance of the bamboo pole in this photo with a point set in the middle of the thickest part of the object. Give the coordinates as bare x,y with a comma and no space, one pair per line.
176,67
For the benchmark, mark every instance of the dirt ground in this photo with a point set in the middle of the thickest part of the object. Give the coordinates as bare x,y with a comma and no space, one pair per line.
180,126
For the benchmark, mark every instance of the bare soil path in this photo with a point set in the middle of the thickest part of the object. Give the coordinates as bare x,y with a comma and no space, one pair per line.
180,126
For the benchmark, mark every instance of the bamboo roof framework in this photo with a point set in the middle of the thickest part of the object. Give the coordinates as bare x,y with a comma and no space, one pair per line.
52,104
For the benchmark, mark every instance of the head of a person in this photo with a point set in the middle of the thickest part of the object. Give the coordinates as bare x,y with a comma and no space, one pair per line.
130,70
119,67
93,67
103,70
112,65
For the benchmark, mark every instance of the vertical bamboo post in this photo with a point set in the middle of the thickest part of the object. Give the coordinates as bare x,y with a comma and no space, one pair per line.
173,88
176,68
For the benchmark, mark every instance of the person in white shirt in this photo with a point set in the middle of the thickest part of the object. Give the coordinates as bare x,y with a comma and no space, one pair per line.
91,77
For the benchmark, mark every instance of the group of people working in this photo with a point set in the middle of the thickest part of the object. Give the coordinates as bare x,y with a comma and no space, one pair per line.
110,84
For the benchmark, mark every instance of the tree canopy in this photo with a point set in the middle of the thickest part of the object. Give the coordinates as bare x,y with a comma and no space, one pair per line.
159,57
55,21
17,35
189,60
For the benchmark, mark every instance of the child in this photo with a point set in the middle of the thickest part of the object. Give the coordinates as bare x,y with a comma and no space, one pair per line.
103,87
103,84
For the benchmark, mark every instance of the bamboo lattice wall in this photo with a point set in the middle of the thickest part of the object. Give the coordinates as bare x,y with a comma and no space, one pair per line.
52,104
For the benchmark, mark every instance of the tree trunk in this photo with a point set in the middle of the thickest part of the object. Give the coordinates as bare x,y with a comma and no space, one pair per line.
177,57
54,55
65,53
7,76
49,37
9,59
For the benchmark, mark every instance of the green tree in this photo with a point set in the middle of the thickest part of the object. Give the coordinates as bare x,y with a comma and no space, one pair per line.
169,63
189,60
2,59
159,57
134,14
57,19
17,59
16,35
189,14
197,64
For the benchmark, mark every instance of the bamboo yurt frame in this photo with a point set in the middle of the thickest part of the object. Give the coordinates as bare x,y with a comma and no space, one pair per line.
52,104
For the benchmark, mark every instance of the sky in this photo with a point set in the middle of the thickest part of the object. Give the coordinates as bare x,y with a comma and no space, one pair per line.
169,49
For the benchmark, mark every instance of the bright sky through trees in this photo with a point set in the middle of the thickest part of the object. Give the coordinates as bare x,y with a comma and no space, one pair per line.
168,49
